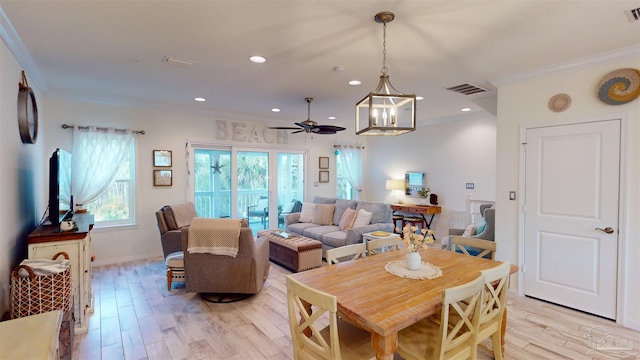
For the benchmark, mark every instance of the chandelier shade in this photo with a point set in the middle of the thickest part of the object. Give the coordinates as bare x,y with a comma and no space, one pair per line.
385,111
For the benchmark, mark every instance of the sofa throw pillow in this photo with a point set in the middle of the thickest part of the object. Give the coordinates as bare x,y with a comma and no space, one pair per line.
470,230
307,213
347,219
324,214
482,224
363,218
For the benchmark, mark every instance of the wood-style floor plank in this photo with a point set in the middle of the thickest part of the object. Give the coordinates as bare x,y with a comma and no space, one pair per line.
136,318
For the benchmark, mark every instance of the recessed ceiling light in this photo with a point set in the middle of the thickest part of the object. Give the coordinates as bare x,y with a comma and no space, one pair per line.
339,69
201,99
331,118
419,98
257,59
465,109
275,110
355,82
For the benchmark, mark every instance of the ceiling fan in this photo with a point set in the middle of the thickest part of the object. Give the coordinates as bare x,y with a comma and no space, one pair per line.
310,126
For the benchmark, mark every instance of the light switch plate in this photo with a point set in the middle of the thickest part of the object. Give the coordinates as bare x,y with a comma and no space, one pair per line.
512,195
471,186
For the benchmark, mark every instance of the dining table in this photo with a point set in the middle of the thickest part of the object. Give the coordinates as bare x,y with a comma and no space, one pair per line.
383,303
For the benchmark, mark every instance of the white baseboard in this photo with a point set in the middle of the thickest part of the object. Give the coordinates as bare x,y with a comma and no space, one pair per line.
126,259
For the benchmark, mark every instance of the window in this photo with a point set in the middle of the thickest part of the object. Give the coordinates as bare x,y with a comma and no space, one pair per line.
343,187
116,205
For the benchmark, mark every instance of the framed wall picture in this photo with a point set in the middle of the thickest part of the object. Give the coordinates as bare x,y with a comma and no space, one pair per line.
162,178
162,158
324,176
324,162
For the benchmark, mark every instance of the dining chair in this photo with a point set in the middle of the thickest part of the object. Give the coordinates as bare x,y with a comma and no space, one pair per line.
374,246
356,250
494,302
311,339
473,247
454,337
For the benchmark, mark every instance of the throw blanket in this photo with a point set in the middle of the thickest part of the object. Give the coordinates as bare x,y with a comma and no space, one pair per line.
183,213
214,236
43,267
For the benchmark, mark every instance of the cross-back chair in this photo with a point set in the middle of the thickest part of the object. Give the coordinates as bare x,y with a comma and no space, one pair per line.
311,339
356,251
494,302
374,246
454,336
473,247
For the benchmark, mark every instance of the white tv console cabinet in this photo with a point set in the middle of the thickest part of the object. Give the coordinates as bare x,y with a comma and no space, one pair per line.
47,240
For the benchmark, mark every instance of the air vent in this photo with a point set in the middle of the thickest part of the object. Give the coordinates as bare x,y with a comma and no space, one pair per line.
633,14
466,89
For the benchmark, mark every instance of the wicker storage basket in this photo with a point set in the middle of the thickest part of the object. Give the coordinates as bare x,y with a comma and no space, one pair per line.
47,287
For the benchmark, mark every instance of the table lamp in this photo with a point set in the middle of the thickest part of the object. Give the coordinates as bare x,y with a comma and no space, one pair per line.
395,185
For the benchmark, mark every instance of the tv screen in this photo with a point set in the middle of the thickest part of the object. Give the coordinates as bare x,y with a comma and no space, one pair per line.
60,197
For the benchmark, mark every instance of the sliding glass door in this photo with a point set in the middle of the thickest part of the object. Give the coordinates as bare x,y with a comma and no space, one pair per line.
290,184
236,182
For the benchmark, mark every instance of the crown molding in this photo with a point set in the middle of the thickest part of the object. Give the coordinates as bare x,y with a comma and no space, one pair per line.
16,46
624,54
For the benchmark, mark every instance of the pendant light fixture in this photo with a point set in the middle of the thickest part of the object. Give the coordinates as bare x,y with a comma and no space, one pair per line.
385,111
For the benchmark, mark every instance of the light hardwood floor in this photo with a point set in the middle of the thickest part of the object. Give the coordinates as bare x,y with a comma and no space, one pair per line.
136,317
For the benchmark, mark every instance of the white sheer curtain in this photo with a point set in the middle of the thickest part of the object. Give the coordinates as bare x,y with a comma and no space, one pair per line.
351,158
97,154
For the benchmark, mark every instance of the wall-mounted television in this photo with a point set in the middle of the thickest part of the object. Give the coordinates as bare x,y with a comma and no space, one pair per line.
60,197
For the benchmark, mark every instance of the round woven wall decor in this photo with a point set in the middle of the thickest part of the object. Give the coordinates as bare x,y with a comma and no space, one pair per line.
619,86
559,102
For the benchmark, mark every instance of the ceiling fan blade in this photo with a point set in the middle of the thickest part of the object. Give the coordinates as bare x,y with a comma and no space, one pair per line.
330,128
299,131
320,131
284,128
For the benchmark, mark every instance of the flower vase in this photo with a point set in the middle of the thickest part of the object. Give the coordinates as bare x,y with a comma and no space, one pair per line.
413,260
424,201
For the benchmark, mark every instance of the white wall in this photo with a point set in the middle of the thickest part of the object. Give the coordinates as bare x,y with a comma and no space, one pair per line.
525,104
451,154
22,177
167,130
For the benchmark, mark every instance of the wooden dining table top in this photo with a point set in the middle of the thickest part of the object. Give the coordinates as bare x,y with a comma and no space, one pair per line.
382,303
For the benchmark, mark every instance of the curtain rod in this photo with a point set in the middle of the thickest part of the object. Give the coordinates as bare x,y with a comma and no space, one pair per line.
348,146
137,132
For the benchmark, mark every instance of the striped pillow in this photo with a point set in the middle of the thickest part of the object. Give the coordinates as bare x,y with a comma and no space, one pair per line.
347,219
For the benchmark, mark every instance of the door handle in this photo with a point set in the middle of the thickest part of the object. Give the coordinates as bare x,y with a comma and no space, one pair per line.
608,230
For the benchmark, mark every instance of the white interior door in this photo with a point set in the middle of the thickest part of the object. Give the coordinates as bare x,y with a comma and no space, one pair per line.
572,184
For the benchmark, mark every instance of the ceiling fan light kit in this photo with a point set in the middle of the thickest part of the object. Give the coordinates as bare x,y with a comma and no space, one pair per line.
385,111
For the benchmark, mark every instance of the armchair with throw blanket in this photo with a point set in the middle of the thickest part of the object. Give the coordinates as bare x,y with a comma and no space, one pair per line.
209,262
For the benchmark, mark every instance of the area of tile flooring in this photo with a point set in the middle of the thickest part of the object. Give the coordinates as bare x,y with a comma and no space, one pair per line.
135,317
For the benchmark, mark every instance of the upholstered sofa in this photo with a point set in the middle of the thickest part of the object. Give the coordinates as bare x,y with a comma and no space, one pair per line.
328,230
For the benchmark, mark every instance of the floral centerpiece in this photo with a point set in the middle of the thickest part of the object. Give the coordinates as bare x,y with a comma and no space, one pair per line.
414,241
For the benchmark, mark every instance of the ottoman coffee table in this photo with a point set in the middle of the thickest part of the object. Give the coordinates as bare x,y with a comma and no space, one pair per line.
294,252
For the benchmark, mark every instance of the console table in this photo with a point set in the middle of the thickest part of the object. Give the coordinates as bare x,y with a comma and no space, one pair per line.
422,210
47,240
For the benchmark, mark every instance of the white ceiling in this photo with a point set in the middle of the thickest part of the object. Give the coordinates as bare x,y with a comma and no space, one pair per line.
113,51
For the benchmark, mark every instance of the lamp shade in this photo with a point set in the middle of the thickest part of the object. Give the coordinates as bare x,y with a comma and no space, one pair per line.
395,185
